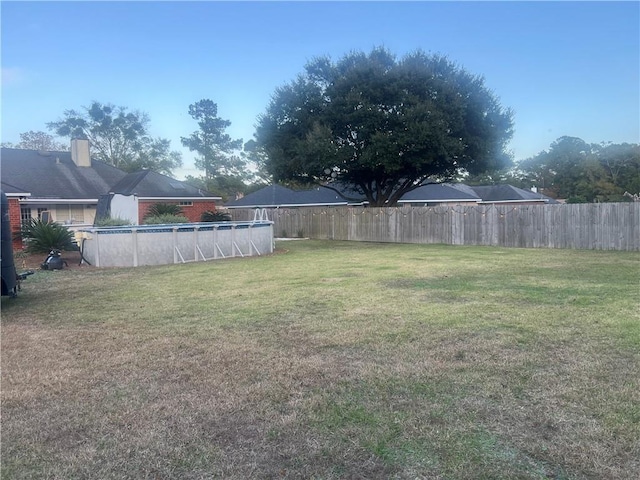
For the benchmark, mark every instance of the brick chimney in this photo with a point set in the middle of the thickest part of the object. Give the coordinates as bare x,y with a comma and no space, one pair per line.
80,152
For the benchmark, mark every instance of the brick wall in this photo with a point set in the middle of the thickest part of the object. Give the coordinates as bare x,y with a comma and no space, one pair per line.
192,212
14,219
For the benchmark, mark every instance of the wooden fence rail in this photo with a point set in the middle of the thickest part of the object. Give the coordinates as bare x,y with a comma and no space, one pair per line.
596,226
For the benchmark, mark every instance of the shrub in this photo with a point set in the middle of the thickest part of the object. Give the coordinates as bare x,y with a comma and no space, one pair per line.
166,218
42,237
111,222
160,209
215,216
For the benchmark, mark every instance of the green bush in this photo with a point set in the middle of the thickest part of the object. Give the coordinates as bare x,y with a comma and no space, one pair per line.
215,216
42,237
112,222
160,209
166,218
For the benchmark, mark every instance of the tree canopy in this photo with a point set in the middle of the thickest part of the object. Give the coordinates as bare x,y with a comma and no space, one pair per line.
383,126
577,171
218,153
37,140
118,137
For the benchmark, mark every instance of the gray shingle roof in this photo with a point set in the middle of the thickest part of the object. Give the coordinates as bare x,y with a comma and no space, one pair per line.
508,193
279,196
439,192
54,175
152,184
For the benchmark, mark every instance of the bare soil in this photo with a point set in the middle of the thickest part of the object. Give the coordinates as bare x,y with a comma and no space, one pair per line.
34,261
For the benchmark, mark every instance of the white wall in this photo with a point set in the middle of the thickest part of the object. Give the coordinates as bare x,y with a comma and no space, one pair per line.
123,206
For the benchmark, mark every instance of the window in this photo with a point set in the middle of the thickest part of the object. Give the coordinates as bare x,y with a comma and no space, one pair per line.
69,214
185,204
40,210
25,215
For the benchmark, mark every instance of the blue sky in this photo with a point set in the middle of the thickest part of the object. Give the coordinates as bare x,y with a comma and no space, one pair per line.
565,68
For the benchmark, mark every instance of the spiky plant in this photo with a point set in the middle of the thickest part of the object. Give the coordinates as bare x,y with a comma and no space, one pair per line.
215,216
42,237
158,209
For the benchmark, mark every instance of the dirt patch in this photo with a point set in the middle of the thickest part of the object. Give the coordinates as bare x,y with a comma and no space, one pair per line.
34,261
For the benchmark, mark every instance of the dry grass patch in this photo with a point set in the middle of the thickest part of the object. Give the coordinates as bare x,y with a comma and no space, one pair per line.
332,360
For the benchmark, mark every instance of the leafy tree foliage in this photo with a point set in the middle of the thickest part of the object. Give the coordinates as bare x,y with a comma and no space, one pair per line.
256,159
118,137
216,149
577,171
36,140
227,186
383,126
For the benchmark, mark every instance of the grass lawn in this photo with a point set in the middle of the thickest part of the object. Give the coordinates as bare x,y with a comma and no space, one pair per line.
328,360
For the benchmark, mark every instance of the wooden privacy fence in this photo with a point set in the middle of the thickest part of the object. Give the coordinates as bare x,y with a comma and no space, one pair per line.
597,226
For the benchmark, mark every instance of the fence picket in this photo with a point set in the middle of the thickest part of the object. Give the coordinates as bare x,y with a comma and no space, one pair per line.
596,226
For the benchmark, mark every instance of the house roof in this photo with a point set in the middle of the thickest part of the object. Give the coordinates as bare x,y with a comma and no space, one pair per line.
509,193
151,184
441,192
53,176
279,196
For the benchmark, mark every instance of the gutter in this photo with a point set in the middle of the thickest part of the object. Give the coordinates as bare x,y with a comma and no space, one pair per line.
65,201
179,199
288,205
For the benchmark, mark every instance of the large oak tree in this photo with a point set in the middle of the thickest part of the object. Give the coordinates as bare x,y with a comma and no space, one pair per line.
383,126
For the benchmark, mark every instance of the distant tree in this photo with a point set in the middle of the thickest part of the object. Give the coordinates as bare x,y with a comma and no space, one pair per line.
118,137
509,176
37,140
226,186
580,172
383,126
157,156
621,161
216,149
256,161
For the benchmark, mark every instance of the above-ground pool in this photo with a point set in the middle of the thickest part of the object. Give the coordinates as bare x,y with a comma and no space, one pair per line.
138,245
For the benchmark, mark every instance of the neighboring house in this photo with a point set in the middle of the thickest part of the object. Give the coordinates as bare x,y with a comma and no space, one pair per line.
433,194
67,187
511,195
276,196
460,194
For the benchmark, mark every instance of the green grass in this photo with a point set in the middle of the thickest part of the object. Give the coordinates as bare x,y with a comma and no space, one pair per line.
328,360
